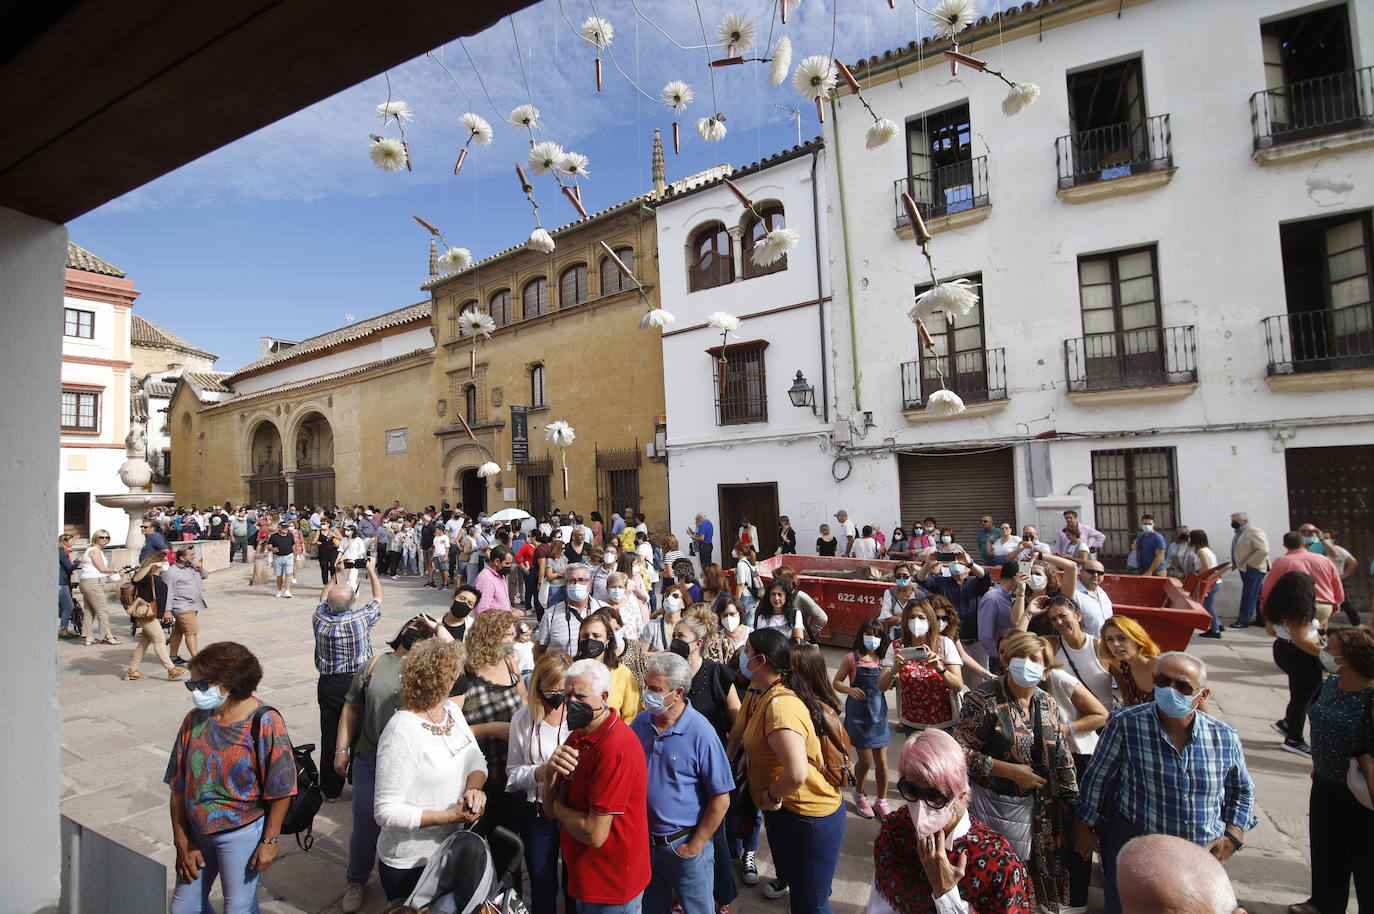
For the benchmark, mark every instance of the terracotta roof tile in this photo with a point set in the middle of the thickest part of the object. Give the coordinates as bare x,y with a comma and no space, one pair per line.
709,178
312,382
143,332
339,335
78,258
210,380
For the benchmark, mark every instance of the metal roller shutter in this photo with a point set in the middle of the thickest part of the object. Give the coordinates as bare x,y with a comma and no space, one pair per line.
957,489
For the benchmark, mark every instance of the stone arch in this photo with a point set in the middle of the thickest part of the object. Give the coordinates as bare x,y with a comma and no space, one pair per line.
261,456
460,474
312,458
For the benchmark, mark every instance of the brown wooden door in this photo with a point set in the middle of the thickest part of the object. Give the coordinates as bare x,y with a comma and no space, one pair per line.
756,501
1333,488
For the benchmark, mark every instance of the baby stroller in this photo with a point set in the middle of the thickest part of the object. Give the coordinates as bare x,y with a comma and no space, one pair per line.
465,876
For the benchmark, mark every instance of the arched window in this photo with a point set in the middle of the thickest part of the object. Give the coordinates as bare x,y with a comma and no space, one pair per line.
755,229
534,300
470,403
572,286
500,308
455,329
612,280
538,392
712,261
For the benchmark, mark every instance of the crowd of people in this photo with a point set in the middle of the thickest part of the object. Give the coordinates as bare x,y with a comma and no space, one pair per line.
642,719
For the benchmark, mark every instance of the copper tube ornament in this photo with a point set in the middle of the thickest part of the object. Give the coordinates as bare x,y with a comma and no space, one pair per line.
525,184
573,199
927,341
429,228
953,61
677,142
598,74
820,111
406,147
848,76
472,362
956,58
565,479
462,154
740,195
918,225
619,264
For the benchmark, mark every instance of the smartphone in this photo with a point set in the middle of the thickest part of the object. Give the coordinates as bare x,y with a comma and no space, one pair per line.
919,652
946,556
1025,565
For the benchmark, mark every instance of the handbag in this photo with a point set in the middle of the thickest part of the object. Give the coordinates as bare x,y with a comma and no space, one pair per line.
139,609
998,746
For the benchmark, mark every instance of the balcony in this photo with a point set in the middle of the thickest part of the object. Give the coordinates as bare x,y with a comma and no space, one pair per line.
1152,364
1116,160
1314,117
979,378
947,197
1331,349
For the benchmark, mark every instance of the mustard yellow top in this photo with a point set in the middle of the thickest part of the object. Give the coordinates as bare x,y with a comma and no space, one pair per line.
624,693
780,709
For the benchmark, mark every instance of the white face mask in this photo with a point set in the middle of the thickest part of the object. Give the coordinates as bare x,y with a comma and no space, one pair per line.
946,539
673,603
729,623
1037,582
608,558
918,626
616,593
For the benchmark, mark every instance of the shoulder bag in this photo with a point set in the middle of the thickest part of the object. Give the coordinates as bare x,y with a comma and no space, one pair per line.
139,609
1354,774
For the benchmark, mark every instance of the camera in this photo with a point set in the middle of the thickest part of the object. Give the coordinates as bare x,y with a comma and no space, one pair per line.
355,563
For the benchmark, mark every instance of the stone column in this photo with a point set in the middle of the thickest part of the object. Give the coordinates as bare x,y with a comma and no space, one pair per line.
736,233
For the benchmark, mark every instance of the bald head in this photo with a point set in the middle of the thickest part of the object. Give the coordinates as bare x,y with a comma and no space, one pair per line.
339,598
1161,874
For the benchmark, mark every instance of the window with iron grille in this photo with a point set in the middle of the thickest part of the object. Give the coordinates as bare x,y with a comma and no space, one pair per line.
572,286
79,323
538,391
1129,483
712,258
80,411
534,300
470,403
500,307
533,478
623,487
960,356
612,280
741,388
773,218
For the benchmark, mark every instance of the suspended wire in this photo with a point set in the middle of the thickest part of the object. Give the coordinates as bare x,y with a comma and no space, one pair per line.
480,81
519,56
715,105
834,19
685,47
609,53
456,84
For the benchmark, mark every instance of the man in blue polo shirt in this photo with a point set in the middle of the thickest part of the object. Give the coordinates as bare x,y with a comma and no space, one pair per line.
689,789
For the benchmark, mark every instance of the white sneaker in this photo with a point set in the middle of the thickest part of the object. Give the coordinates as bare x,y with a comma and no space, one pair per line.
278,594
287,594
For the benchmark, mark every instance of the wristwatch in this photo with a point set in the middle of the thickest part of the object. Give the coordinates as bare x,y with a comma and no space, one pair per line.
1235,842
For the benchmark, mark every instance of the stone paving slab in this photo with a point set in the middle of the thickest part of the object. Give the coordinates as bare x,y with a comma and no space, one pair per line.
116,736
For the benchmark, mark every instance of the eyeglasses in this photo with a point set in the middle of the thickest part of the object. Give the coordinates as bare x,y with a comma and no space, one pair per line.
928,795
1183,686
198,685
1093,571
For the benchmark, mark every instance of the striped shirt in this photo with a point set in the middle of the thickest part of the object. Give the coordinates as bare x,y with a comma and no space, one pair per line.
343,642
1192,794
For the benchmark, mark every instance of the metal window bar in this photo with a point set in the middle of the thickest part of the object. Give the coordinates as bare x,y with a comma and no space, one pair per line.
1326,340
715,269
1313,107
741,395
945,190
979,375
1146,357
1127,483
1115,151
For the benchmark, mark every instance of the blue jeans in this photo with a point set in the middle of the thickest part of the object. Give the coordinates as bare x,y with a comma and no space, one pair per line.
226,856
725,889
692,879
629,907
1207,605
540,835
739,845
65,606
238,544
805,851
1250,583
398,884
1112,834
362,840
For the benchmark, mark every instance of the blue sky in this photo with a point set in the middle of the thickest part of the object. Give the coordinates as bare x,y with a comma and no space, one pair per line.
290,230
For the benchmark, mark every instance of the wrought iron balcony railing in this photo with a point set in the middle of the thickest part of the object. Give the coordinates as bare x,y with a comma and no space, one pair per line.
1313,107
1326,340
1116,151
941,191
979,375
1147,357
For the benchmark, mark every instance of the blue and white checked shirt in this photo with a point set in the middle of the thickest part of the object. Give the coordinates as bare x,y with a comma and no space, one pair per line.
1193,794
343,643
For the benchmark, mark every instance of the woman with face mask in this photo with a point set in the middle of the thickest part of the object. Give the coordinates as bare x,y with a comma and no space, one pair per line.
492,690
536,730
657,633
926,667
1290,618
732,628
865,715
233,838
597,640
935,848
779,611
622,598
150,590
904,589
1023,780
710,692
1007,542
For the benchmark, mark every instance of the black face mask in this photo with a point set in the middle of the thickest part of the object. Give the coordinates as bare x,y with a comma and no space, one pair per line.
459,610
552,700
461,685
589,649
580,714
410,637
680,647
1236,525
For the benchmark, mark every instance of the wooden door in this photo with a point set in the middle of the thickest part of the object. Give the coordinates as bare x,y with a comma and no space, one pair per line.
759,503
1333,488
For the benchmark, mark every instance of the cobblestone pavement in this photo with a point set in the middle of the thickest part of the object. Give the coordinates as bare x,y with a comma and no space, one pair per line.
116,736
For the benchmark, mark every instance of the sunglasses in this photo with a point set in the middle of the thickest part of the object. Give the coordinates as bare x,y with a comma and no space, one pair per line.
929,795
198,685
1183,686
1092,571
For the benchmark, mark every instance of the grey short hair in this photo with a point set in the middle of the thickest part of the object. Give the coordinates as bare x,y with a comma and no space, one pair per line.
600,674
1240,515
575,567
1184,655
677,671
338,606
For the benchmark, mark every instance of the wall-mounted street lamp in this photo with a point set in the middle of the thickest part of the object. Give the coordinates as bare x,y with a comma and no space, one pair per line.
802,393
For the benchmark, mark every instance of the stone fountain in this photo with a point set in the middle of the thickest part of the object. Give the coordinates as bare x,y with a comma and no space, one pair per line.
136,474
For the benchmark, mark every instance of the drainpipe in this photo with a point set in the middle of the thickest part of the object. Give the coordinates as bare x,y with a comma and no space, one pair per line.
848,273
820,289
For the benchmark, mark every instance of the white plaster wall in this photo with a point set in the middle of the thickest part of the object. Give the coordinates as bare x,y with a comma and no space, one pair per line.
312,367
1216,226
100,477
32,255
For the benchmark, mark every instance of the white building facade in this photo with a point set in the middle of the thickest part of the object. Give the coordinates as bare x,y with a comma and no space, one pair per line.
1174,267
741,448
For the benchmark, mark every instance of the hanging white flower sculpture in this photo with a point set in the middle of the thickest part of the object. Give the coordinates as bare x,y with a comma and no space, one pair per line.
945,403
774,245
655,317
882,131
955,298
781,62
573,164
388,154
736,32
950,17
711,129
560,434
540,241
479,131
398,110
678,95
455,260
474,323
490,468
597,31
724,321
815,77
526,116
545,156
1021,96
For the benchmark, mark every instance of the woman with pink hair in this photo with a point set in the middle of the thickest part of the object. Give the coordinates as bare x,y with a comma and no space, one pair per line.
934,850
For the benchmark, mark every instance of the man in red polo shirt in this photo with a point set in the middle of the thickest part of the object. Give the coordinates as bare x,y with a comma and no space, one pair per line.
596,790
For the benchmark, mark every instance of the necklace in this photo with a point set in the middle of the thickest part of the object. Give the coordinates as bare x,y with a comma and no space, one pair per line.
441,728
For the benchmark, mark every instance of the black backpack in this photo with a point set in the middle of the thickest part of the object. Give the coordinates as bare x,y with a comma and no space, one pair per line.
300,814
